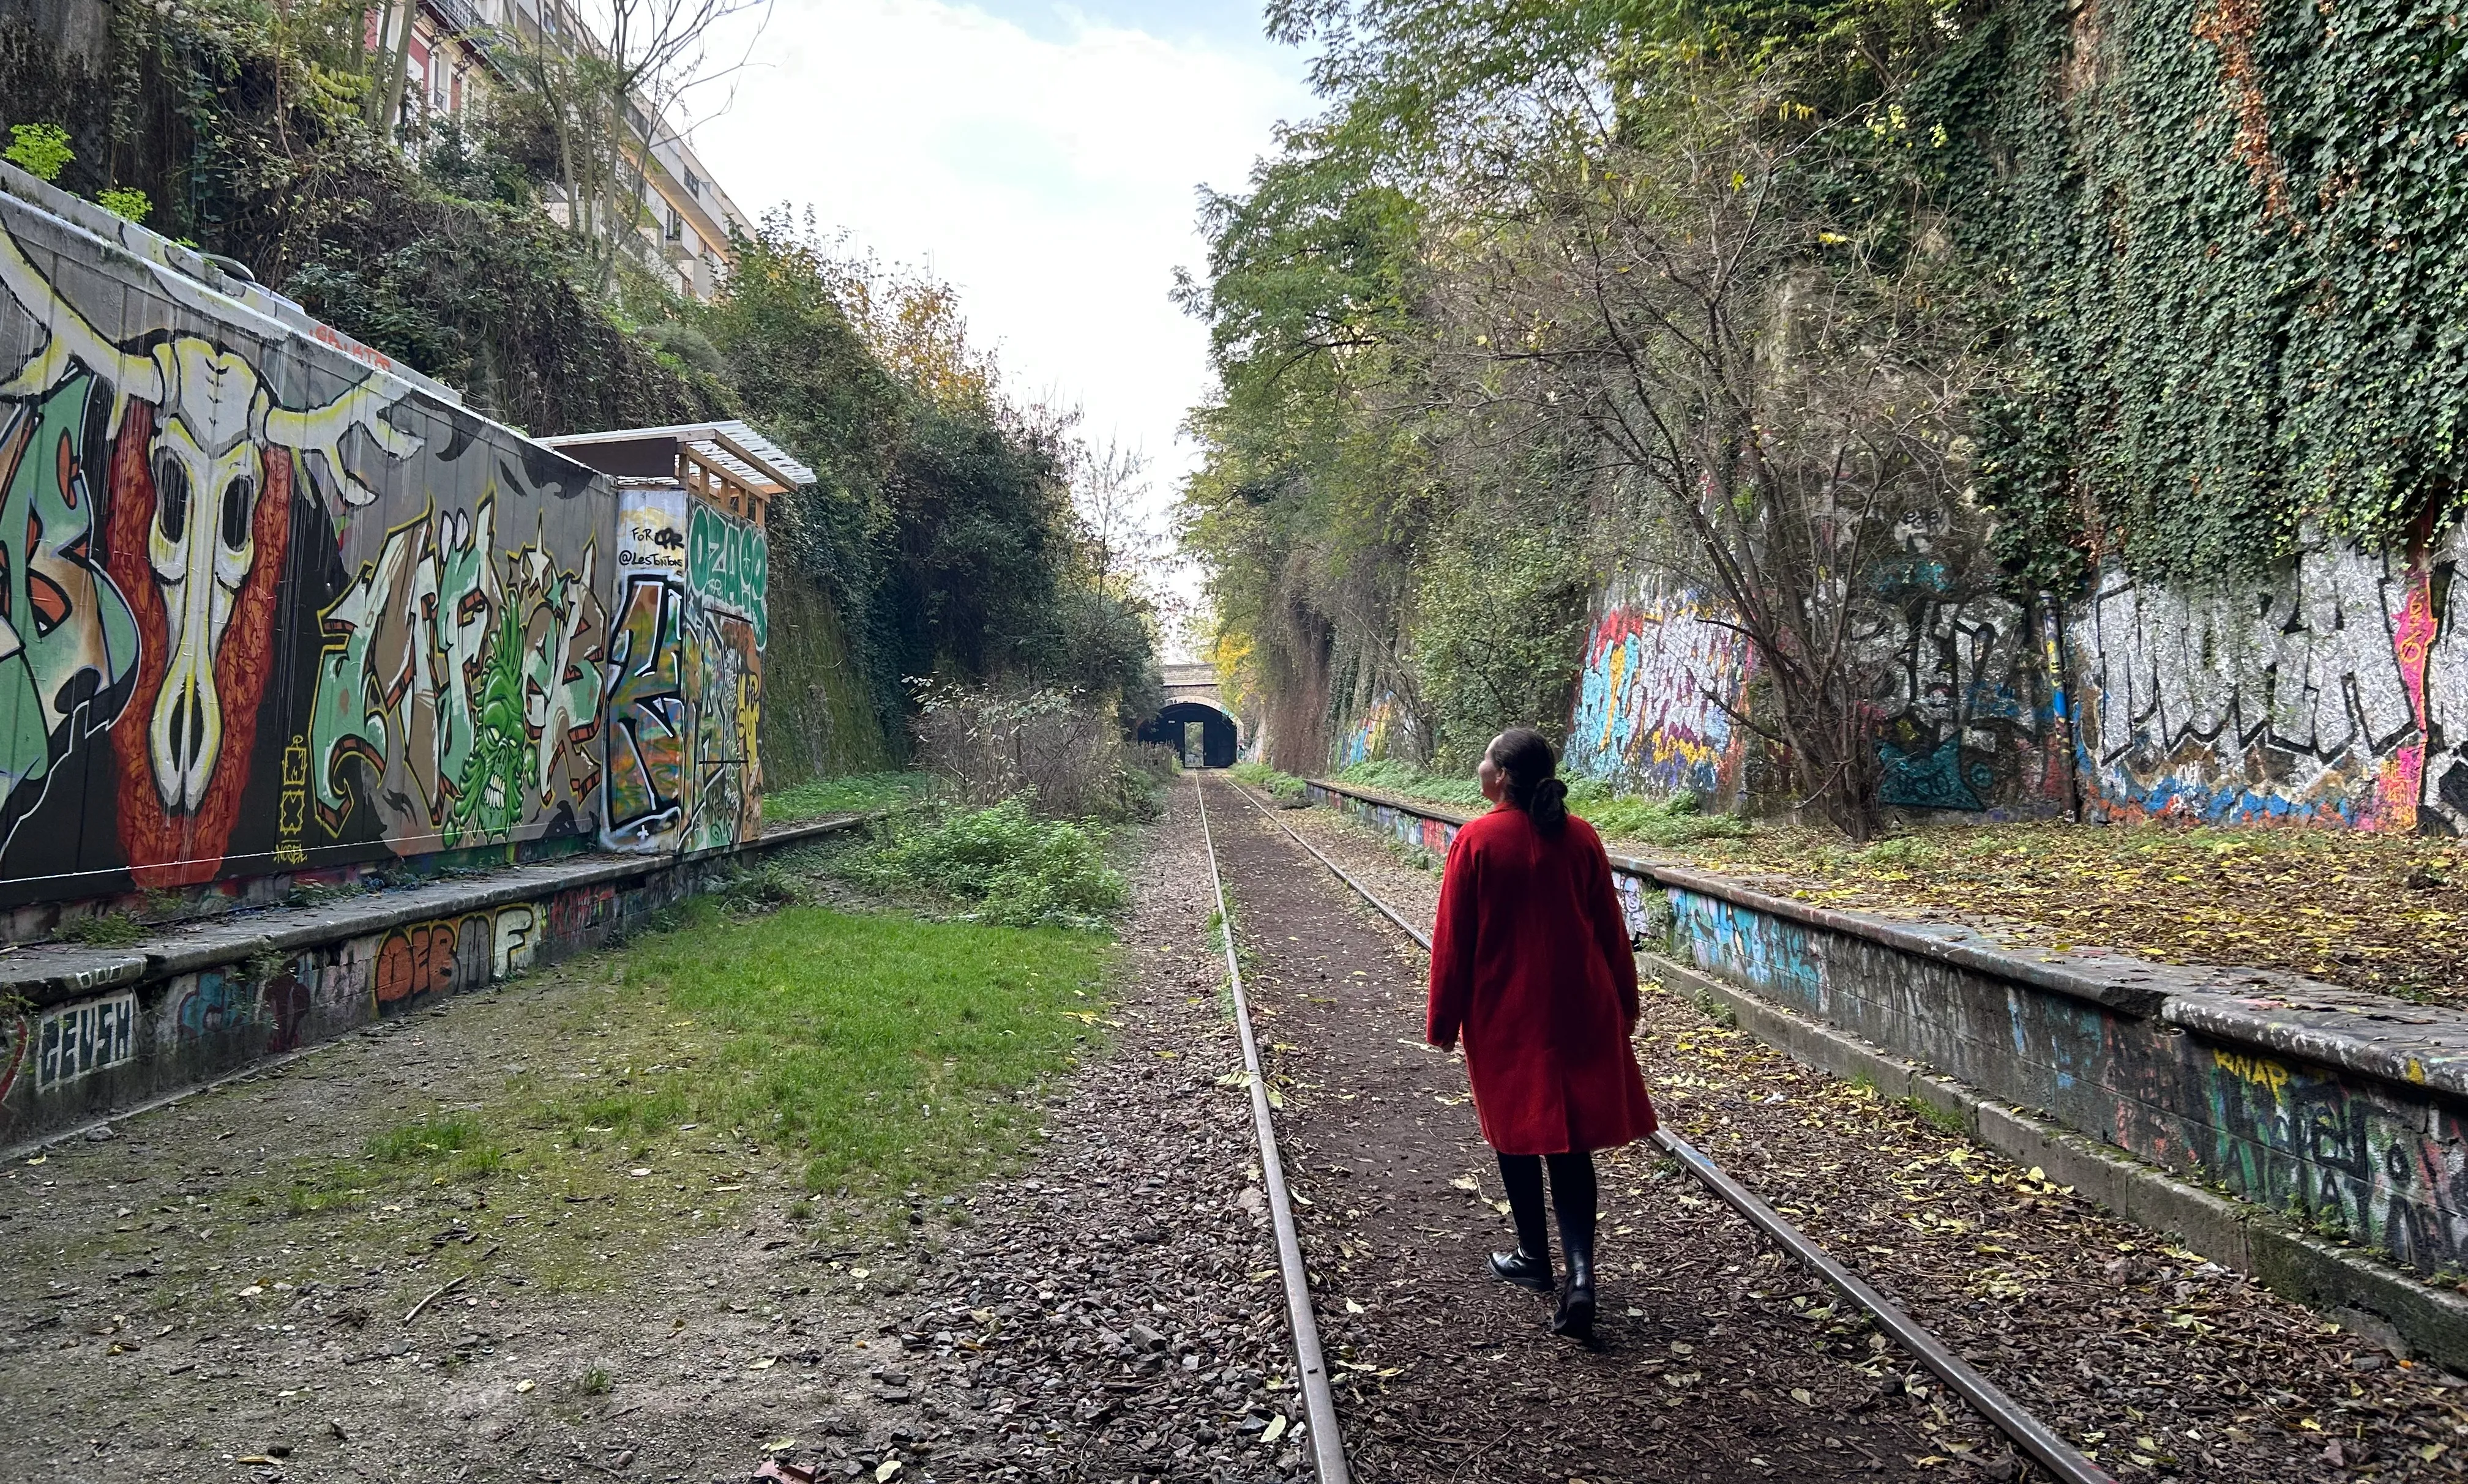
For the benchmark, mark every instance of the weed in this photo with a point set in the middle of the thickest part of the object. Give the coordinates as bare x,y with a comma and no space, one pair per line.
104,931
1285,787
1675,820
758,890
458,1142
1948,1119
595,1382
855,793
1017,869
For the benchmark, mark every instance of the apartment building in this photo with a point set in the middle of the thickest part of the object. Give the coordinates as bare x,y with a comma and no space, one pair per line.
687,219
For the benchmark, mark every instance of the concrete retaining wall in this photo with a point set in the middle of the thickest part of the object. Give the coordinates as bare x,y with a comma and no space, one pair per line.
2346,1113
87,1032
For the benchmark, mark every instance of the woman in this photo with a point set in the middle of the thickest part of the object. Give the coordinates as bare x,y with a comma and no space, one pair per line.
1531,968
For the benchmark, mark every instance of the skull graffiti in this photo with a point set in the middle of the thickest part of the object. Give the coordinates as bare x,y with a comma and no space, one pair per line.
215,421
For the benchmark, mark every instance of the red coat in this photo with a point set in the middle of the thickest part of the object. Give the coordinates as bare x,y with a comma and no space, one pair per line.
1531,968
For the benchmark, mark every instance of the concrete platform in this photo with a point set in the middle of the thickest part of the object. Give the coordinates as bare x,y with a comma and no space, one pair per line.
88,1032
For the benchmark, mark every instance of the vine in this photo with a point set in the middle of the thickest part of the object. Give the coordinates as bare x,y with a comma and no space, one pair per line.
2232,247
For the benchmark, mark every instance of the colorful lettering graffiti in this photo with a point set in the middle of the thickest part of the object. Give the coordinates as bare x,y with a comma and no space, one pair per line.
1960,720
67,669
1373,732
457,700
76,1041
449,954
1656,696
233,558
646,716
2306,700
685,679
728,564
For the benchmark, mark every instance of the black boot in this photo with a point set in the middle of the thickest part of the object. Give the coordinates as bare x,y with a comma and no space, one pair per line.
1523,1269
1529,1265
1573,1195
1576,1316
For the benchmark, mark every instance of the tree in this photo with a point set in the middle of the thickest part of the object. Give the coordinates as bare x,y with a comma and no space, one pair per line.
601,82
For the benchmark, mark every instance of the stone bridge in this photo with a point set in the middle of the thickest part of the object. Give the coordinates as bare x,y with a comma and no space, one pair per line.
1191,698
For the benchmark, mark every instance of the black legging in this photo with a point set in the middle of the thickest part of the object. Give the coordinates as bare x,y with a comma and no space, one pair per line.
1572,1195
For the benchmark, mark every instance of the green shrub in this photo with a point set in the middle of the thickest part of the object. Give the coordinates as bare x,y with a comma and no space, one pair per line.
1628,816
125,201
1019,871
40,150
1391,775
1285,787
105,930
1671,821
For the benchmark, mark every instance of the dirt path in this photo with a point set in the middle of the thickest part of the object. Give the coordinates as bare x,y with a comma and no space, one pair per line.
1715,1361
2160,1363
1105,1311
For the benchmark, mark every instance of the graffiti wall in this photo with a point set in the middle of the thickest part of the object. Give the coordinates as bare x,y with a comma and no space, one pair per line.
1967,716
1408,827
1655,698
265,605
1382,723
2337,694
2382,1160
685,675
68,1061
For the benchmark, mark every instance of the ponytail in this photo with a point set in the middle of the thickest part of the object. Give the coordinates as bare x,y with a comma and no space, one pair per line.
1548,808
1526,760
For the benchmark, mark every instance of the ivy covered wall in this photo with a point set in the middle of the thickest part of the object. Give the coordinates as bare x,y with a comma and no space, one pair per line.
2231,242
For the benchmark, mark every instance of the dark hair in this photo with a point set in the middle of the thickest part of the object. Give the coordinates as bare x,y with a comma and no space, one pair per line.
1531,768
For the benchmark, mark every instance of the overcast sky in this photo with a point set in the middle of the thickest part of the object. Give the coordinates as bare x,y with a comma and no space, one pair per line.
1042,158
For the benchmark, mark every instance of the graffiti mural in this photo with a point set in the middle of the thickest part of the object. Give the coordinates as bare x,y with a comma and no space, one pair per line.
1372,733
727,560
458,693
1965,718
685,677
449,954
265,604
75,1040
1656,695
2308,700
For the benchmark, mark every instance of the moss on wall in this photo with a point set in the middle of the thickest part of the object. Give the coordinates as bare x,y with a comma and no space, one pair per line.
819,713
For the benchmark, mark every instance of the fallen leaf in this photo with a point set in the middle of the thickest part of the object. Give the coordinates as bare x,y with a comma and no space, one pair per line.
1275,1430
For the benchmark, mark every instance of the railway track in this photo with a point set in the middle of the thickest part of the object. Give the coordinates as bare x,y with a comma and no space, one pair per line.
2042,1445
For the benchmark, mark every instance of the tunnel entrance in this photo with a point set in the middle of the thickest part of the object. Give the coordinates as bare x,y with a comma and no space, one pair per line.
1172,726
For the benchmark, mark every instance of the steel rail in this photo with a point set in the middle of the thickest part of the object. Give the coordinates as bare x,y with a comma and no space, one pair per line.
1319,1408
2034,1437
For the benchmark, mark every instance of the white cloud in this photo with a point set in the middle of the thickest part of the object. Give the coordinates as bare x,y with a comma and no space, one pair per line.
1052,179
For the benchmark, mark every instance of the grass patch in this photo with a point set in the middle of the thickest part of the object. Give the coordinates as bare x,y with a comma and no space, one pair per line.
1286,788
1945,1118
826,1068
1675,820
104,930
883,1047
1006,864
855,793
